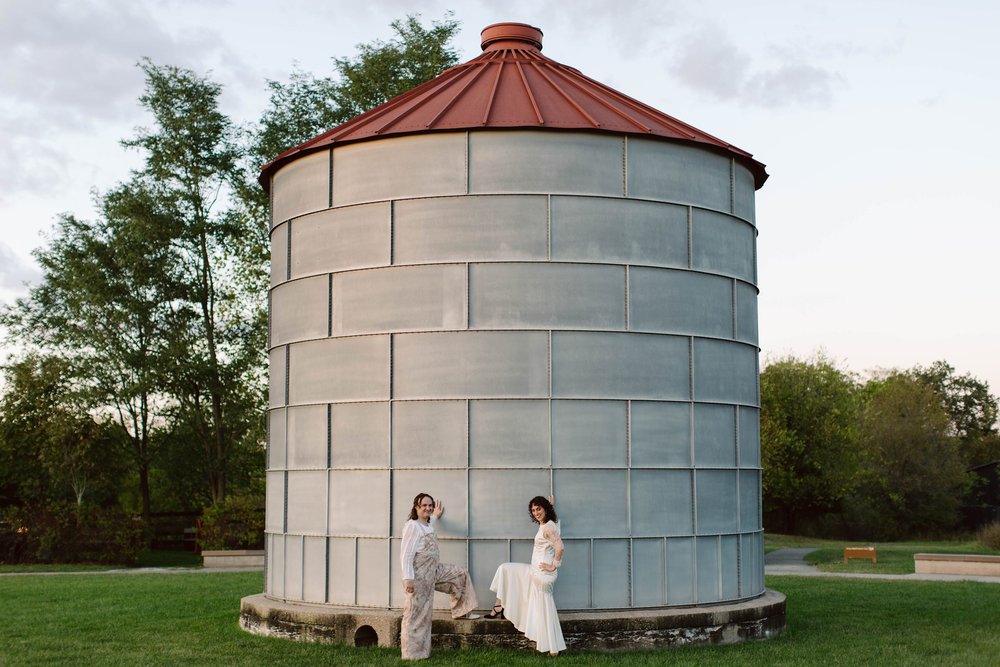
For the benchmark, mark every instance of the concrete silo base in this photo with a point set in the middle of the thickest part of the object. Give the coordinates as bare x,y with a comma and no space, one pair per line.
760,618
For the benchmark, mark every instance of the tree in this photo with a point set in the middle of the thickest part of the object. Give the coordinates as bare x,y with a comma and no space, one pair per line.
191,159
808,439
108,298
914,476
971,407
51,448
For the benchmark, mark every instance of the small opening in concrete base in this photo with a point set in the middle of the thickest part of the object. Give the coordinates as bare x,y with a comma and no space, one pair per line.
365,636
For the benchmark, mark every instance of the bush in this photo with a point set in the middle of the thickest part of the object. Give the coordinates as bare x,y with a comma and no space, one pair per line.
235,523
66,533
989,536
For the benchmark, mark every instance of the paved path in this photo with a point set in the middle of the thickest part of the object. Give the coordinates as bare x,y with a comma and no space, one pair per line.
790,562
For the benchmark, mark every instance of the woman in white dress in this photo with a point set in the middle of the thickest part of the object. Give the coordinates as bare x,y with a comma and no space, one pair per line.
524,592
424,573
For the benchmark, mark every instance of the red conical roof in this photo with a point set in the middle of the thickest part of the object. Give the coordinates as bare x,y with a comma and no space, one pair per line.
512,85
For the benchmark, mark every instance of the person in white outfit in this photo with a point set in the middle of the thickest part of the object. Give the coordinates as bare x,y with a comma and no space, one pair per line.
524,591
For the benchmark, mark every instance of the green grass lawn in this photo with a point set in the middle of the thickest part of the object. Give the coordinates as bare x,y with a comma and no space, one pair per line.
148,558
192,619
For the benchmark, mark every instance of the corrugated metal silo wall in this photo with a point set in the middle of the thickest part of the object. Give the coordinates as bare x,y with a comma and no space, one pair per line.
489,316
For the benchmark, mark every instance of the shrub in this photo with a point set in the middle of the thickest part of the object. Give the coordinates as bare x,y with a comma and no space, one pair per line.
235,523
67,533
989,536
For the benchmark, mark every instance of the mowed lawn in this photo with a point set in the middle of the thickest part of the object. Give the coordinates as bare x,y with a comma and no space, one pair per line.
192,619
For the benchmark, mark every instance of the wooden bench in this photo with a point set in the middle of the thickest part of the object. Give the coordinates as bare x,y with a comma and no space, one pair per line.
970,564
860,552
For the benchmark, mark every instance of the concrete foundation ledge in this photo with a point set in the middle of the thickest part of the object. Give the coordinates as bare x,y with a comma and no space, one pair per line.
614,630
233,558
974,564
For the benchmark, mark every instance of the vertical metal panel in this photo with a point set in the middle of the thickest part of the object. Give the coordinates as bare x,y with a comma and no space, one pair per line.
619,365
722,244
509,433
359,435
342,570
481,228
306,497
293,567
743,192
674,172
725,371
279,254
683,302
275,506
354,237
400,167
661,502
448,486
589,434
277,557
730,566
314,569
300,187
484,558
661,434
573,587
716,501
746,313
307,436
372,566
714,435
503,296
578,492
749,437
276,439
357,497
611,583
707,549
749,500
412,298
276,375
565,162
339,369
599,229
299,310
429,433
470,365
648,572
680,570
499,501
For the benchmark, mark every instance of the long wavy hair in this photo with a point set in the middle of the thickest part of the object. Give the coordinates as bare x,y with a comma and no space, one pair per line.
550,512
416,501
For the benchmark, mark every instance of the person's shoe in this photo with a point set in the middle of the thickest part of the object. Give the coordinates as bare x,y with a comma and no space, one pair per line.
496,613
471,617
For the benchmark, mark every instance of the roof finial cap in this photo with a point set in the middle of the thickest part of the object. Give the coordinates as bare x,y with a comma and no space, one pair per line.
511,36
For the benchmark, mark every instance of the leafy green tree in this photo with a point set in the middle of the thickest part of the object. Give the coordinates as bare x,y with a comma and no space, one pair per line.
809,439
51,448
914,475
108,298
971,408
192,156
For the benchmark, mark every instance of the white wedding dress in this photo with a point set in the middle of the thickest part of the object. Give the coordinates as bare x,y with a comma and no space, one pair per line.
525,592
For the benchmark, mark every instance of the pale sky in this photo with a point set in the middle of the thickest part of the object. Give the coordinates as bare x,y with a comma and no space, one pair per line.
878,122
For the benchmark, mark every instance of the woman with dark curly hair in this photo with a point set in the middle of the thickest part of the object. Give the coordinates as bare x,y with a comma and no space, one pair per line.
524,591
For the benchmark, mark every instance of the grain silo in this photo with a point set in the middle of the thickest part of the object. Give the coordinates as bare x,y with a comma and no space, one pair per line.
513,281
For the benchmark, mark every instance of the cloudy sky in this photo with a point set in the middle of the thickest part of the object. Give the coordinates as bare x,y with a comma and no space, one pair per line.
878,121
